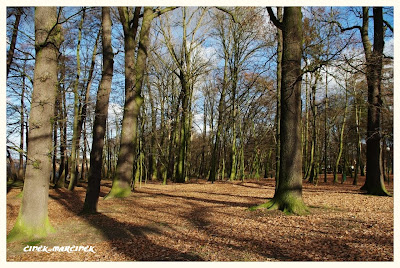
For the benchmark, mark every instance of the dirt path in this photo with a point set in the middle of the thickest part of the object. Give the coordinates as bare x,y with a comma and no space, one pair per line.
203,221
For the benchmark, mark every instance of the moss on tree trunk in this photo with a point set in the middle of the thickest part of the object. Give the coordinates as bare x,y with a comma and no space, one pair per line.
134,100
33,221
288,195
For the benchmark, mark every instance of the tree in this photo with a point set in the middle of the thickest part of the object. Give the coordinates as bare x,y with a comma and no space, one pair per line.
133,100
33,221
62,123
241,39
101,112
313,169
134,75
341,135
187,68
374,183
288,195
76,132
225,40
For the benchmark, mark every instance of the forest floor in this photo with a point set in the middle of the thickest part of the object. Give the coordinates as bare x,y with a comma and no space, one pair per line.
200,221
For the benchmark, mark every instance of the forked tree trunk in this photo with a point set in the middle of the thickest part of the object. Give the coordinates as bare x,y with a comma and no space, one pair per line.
33,221
124,170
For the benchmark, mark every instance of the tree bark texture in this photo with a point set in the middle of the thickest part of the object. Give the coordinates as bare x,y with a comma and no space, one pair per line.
133,87
374,183
33,221
288,195
101,112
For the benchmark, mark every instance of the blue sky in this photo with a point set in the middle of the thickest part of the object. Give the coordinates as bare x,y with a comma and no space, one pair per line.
117,92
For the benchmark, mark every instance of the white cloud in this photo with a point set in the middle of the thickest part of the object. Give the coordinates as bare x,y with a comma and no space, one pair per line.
389,48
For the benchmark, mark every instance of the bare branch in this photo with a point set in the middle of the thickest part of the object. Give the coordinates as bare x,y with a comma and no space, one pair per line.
273,18
388,25
228,12
157,12
348,28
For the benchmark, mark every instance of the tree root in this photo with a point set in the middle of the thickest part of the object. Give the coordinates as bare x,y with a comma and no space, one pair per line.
118,191
289,206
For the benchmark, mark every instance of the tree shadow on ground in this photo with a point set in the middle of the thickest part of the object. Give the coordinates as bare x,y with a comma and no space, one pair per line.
127,239
229,195
239,244
218,202
314,247
132,240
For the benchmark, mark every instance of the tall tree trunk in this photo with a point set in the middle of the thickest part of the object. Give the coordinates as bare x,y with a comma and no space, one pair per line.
62,125
22,124
173,141
326,129
278,97
314,162
358,158
84,155
33,221
76,136
336,170
241,154
215,158
124,170
186,101
101,113
305,136
181,165
233,172
288,196
153,139
55,142
203,169
344,168
374,183
82,108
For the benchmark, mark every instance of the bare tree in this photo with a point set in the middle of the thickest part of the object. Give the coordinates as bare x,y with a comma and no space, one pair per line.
101,112
288,195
